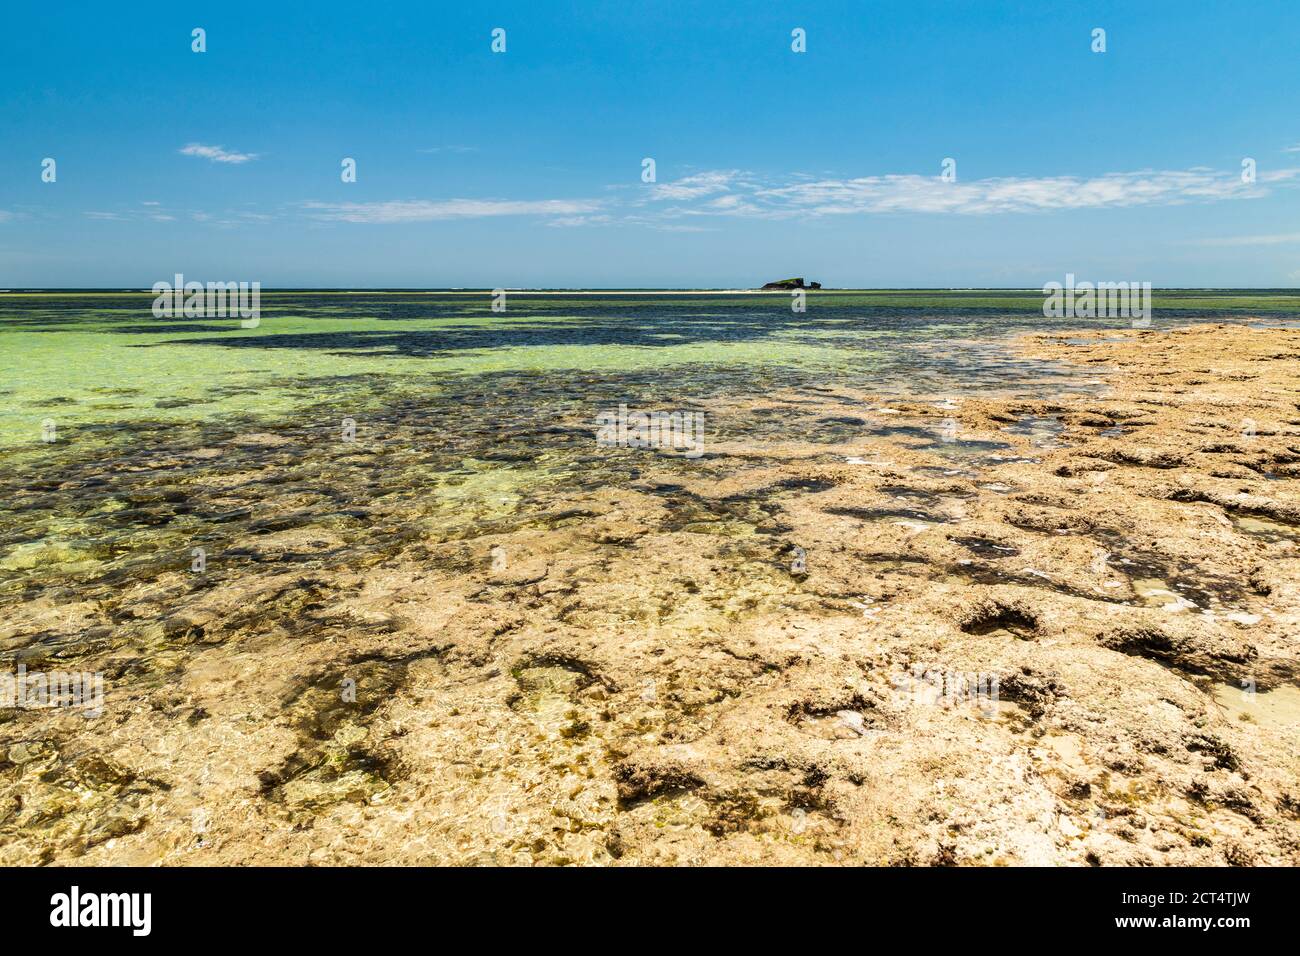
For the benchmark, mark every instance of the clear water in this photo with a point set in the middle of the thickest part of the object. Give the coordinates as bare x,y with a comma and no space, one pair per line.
100,359
169,433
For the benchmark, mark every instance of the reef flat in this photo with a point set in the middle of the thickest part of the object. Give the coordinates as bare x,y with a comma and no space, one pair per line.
469,634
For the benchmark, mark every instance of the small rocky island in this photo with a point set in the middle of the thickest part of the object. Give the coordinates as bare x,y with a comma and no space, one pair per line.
786,284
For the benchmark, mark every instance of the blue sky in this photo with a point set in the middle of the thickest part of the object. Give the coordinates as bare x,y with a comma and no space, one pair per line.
524,168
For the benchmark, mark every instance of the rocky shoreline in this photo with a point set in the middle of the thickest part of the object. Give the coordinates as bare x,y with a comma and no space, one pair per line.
728,661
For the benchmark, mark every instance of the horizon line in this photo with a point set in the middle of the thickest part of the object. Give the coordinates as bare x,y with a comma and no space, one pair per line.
628,290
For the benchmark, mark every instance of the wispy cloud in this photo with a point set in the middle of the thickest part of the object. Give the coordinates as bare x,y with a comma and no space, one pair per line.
449,149
151,210
740,194
911,193
154,214
1292,149
573,221
698,185
429,210
691,202
680,227
217,154
1276,239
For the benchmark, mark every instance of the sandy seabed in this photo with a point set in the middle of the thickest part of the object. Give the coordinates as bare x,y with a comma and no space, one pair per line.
992,631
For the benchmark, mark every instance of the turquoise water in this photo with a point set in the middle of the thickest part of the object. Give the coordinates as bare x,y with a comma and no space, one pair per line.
95,361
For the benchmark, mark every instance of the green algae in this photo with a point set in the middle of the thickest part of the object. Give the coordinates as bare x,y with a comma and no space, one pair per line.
83,361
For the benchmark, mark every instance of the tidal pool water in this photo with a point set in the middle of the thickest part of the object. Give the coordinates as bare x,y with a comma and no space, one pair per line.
91,361
128,438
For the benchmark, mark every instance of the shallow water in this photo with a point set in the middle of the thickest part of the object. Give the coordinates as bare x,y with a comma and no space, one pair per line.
1276,710
170,434
102,359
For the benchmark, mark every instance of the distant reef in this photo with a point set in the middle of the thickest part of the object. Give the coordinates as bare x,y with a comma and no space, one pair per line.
791,284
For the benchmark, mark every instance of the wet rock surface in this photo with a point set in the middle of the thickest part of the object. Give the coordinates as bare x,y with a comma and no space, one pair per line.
480,638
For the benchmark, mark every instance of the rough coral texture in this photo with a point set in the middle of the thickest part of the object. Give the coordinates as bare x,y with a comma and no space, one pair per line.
995,630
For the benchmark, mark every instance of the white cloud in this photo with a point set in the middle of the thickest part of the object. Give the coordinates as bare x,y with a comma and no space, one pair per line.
1292,149
697,185
573,221
1276,239
153,211
429,210
218,154
734,193
678,227
930,194
729,193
